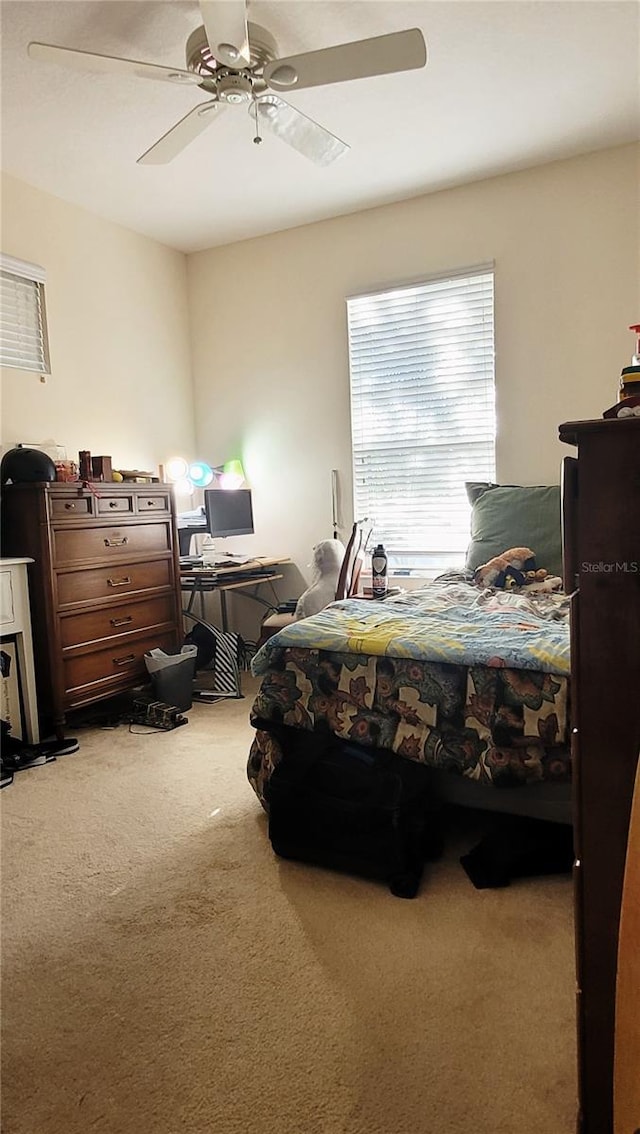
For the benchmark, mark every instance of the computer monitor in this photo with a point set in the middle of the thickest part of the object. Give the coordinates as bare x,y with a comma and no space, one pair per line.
228,511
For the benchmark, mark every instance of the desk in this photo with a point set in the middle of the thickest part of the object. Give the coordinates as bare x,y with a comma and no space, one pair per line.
245,579
15,619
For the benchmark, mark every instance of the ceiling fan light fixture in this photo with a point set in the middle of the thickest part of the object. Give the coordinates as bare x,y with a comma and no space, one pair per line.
285,76
234,88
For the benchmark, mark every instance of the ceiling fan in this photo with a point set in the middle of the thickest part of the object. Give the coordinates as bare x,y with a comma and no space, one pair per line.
237,62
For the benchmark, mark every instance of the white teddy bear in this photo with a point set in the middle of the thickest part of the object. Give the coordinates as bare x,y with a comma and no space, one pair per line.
327,561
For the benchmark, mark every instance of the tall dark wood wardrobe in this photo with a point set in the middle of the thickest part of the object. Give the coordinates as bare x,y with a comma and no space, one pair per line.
601,517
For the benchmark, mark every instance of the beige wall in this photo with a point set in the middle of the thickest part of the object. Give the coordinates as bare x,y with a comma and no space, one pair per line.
118,330
268,330
270,341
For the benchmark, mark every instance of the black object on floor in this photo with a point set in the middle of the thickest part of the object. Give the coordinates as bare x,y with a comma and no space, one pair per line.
17,755
204,640
53,748
352,809
108,714
519,847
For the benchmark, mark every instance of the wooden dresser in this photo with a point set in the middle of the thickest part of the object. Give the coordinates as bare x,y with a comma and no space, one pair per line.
104,585
601,511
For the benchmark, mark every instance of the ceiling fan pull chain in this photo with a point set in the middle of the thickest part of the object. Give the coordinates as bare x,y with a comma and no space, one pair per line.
257,140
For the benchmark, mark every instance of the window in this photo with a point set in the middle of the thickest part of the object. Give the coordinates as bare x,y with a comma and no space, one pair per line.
23,325
422,413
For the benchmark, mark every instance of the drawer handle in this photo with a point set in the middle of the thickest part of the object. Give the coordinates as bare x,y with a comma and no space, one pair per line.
124,661
113,503
121,621
116,542
151,504
69,506
119,582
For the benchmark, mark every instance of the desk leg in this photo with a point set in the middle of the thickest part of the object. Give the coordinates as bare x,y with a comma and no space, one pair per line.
223,612
24,650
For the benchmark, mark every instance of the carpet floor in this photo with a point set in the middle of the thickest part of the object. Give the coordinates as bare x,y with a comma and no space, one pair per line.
164,973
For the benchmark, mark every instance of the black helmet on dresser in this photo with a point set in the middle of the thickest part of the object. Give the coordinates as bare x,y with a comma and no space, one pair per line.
22,465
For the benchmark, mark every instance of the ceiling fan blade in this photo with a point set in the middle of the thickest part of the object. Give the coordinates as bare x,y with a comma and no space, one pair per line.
298,131
225,22
108,64
382,55
178,137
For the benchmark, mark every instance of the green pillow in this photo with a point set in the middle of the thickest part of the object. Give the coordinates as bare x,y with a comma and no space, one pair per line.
506,516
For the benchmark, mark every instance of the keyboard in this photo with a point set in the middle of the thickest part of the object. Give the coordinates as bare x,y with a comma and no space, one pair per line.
229,563
191,561
235,560
240,566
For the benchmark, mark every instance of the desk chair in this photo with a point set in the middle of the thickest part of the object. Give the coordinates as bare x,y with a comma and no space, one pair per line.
347,585
353,562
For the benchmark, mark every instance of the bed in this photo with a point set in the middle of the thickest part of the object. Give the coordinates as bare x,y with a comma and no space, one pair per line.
473,682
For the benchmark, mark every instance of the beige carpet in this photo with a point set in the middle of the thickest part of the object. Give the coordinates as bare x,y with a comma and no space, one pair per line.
164,973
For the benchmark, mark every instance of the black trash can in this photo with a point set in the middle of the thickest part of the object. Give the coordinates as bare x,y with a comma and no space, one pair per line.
172,675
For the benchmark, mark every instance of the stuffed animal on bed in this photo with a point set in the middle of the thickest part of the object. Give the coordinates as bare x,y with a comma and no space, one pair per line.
514,568
327,561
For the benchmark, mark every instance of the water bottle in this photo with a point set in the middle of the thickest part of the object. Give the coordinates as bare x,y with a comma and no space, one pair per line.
379,572
208,552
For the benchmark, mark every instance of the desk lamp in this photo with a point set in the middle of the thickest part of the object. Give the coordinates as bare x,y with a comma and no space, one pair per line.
232,475
185,477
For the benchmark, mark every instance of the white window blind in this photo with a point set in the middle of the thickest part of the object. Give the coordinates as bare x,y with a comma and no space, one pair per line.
422,412
23,326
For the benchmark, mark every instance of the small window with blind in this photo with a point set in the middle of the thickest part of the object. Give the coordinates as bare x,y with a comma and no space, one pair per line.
421,359
23,324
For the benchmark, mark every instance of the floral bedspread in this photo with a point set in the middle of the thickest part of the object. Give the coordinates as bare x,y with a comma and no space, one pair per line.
498,725
451,623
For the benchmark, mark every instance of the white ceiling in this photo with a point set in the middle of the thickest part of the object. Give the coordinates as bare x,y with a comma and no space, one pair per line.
508,84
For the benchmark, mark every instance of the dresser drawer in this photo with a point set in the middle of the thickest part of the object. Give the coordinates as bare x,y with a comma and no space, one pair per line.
110,505
94,626
154,502
111,582
120,663
70,507
79,545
